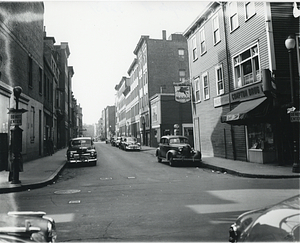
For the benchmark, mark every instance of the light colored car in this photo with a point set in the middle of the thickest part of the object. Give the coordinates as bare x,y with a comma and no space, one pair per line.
27,226
276,223
175,149
82,150
130,143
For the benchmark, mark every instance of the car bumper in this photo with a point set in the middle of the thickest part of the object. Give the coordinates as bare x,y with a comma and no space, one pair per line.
81,160
133,148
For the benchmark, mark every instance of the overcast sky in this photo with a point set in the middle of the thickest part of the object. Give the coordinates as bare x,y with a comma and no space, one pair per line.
102,36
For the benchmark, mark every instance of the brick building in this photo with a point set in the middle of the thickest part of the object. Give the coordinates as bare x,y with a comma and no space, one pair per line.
234,49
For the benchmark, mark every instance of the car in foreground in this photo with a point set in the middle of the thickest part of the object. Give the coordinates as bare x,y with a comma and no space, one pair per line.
81,150
27,226
130,143
276,223
176,149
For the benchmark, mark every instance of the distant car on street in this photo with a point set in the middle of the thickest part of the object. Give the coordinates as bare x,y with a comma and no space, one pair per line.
176,149
130,143
276,223
82,150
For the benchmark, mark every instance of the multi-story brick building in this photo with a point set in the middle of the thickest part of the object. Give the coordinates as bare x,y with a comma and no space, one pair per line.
160,64
21,58
233,48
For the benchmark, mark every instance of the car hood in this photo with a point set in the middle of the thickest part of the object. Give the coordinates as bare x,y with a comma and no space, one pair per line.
274,223
79,149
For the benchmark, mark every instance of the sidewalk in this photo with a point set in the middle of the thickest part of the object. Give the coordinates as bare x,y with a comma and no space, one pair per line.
45,170
36,173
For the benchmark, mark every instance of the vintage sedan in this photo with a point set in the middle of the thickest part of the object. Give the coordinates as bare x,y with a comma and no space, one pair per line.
276,223
175,149
27,226
130,143
82,150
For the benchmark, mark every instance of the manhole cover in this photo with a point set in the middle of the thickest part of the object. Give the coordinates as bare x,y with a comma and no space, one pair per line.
67,191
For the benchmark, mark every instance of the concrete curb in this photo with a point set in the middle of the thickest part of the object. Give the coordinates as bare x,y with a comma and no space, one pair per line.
35,185
234,172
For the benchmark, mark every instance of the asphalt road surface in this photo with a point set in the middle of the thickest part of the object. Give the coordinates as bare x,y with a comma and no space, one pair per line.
129,196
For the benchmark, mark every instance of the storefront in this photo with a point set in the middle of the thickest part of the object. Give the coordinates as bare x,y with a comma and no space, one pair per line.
257,115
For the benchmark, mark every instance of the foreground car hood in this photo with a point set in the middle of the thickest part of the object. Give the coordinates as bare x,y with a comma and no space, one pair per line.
275,223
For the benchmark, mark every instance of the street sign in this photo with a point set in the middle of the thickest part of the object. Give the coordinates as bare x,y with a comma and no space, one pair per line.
295,116
16,119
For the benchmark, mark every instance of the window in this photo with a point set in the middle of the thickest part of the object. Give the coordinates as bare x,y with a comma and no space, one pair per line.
30,66
233,16
202,41
197,89
181,53
219,80
40,81
260,136
249,9
205,86
216,29
246,67
194,52
32,124
181,75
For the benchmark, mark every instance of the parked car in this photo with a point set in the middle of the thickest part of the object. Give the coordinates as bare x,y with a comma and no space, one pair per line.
113,141
118,140
276,223
175,149
82,150
27,226
130,143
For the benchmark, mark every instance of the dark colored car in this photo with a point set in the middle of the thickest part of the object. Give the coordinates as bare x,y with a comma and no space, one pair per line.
130,143
27,227
82,150
276,223
176,149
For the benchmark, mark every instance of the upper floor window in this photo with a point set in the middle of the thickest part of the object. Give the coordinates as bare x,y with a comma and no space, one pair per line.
246,67
233,16
194,46
205,86
182,75
216,29
219,80
30,70
202,41
181,53
197,89
249,9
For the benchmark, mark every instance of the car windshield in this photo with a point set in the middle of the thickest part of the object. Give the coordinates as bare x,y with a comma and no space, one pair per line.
131,139
178,140
81,142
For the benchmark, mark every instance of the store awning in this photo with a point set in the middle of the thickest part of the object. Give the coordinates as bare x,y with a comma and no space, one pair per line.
252,111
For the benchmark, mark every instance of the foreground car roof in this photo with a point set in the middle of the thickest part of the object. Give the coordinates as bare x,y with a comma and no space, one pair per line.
81,138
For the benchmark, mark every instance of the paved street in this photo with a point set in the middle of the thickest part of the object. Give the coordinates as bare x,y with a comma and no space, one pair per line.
129,196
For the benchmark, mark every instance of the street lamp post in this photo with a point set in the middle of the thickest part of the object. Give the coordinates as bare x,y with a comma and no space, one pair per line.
16,142
290,45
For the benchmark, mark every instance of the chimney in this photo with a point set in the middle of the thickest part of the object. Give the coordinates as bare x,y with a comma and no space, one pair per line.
164,35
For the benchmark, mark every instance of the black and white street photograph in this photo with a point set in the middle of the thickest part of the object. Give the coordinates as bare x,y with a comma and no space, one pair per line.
149,121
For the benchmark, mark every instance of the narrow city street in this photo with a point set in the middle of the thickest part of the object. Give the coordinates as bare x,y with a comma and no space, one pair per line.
129,196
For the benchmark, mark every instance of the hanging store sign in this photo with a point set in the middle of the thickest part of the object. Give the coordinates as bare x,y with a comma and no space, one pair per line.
182,93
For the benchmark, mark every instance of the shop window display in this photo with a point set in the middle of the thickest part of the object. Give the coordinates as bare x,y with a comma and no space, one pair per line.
260,136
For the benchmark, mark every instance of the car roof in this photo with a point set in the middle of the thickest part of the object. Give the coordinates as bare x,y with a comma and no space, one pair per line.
174,136
81,138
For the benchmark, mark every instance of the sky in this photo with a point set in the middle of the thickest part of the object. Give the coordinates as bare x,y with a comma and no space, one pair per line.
102,36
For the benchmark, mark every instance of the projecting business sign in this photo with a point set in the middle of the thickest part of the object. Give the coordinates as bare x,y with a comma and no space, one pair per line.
182,93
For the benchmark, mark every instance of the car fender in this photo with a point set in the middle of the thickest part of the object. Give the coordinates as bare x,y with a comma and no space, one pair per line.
171,152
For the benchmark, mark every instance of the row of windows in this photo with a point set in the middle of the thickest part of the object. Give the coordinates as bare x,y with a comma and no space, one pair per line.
234,24
201,84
